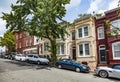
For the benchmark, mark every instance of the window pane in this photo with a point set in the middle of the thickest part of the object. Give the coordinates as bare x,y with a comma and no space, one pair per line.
85,31
86,49
58,49
101,33
81,49
117,67
80,32
46,46
73,35
117,50
62,48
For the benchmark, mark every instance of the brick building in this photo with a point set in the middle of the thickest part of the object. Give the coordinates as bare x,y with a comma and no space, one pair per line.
26,44
108,47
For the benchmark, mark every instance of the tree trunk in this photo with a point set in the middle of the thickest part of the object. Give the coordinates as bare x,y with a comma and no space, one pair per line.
53,51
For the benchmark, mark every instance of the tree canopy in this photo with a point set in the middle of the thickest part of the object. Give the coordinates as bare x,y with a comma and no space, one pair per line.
8,40
39,18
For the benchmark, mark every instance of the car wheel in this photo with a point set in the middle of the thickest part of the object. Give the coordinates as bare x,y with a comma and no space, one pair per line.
38,62
77,69
103,74
27,61
20,59
59,66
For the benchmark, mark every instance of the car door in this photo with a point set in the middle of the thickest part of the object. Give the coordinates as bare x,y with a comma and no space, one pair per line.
69,64
35,58
30,57
116,71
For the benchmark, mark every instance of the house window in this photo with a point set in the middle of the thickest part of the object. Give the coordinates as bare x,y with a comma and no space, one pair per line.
73,35
16,37
30,42
115,26
20,45
83,32
116,50
84,50
101,34
27,34
26,43
80,32
20,35
46,46
16,46
60,49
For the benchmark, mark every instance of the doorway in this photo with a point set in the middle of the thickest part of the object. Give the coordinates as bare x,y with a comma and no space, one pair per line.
102,54
74,53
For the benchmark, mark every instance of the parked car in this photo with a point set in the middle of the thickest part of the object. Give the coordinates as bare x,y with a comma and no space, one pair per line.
111,71
20,57
6,56
12,55
72,65
37,59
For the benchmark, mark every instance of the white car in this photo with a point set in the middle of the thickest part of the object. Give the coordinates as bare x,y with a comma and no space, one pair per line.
37,59
20,57
113,71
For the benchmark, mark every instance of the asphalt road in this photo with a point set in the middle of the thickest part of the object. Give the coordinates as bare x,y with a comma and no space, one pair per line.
12,65
15,71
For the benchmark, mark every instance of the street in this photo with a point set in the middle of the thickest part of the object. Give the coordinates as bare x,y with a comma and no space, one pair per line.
15,71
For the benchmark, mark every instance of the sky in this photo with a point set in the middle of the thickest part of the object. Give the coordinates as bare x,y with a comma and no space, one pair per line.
73,9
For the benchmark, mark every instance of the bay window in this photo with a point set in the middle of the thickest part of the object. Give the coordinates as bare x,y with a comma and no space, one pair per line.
116,50
83,32
84,50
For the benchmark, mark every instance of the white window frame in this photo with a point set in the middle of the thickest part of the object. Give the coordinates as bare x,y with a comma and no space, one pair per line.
60,49
98,32
20,45
83,35
115,43
73,36
118,20
30,42
27,43
46,46
84,55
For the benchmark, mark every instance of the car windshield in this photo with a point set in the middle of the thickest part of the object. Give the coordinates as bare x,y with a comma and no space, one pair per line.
74,61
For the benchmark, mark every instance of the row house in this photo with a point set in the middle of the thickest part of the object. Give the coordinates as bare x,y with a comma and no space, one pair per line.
80,44
85,41
108,46
88,41
62,47
25,43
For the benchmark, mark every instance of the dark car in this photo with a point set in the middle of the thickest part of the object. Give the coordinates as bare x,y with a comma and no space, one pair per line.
12,56
72,65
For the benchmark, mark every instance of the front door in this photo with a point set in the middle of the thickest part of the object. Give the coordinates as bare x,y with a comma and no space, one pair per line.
74,53
102,54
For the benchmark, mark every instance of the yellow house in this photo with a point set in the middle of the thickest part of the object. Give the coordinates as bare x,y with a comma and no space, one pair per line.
86,41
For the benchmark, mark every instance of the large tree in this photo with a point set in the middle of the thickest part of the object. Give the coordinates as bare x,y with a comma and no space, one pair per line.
8,40
39,18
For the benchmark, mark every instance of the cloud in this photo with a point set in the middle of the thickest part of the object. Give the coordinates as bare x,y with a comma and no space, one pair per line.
94,5
2,27
5,8
73,3
113,4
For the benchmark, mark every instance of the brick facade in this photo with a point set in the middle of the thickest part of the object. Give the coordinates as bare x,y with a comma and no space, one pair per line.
25,43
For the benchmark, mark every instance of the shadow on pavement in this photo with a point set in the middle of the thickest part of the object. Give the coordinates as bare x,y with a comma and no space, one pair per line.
29,65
